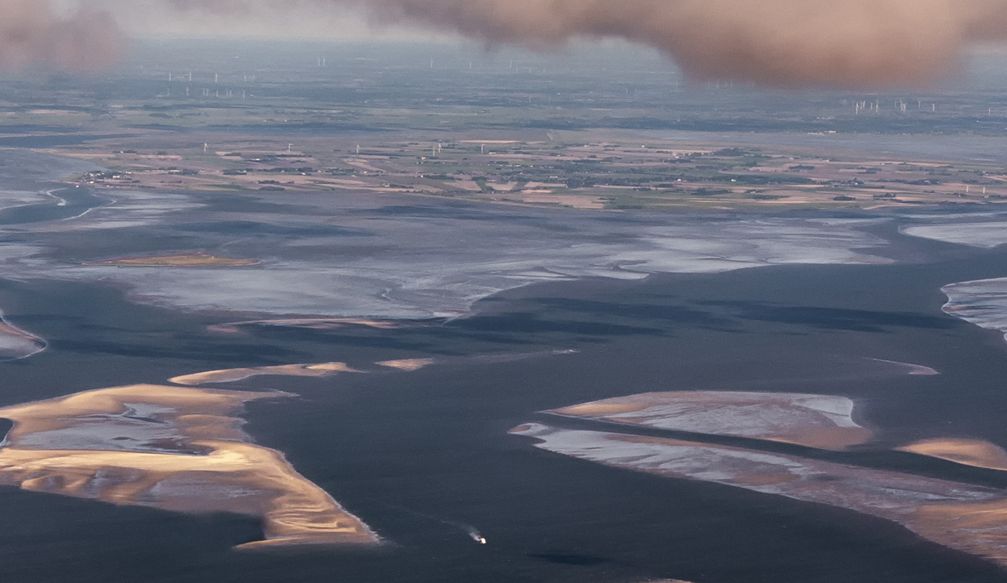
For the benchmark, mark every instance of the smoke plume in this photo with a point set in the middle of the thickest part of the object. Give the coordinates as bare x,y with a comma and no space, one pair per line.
846,43
774,42
34,32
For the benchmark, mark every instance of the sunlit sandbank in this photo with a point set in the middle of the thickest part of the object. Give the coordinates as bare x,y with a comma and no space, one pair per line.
969,452
960,516
820,421
233,375
172,448
913,370
179,260
306,323
16,343
987,234
407,364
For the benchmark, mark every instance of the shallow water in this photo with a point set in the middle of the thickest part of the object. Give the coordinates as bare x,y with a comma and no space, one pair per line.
415,454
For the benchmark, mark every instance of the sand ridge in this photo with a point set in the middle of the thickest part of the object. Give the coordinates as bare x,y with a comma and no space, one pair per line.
233,375
178,260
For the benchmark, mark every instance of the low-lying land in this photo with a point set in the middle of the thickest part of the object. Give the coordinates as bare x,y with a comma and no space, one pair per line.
588,171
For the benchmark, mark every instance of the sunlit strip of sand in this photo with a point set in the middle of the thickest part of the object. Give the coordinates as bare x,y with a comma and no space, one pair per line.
18,344
407,364
112,448
969,452
985,235
820,421
913,370
179,260
961,516
233,375
306,323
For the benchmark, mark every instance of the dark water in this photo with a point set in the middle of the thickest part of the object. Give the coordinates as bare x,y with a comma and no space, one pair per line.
69,202
421,455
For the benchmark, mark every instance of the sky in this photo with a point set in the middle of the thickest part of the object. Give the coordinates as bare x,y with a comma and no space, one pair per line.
784,43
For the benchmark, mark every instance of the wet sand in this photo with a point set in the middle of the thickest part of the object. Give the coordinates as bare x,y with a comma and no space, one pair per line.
17,344
958,515
819,421
181,450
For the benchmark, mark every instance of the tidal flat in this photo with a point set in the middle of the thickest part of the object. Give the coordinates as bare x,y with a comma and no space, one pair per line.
397,449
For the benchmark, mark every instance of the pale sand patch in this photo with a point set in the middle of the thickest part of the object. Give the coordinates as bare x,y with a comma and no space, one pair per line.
969,452
211,467
961,516
819,421
180,260
407,364
232,375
